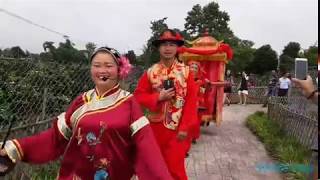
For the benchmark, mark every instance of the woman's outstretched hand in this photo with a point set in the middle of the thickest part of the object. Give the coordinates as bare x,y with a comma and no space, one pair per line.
6,165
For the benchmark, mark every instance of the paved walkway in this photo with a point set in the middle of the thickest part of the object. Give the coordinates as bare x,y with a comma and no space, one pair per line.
229,152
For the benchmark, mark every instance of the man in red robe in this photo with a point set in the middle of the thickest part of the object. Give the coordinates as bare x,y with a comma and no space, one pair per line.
169,92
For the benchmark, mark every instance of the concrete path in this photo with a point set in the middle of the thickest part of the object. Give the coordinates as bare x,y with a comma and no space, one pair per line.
231,151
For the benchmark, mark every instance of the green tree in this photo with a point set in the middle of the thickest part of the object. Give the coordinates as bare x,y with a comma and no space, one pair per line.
210,18
245,43
48,45
264,59
292,49
312,55
242,58
132,57
286,63
91,47
289,53
194,21
28,53
50,51
7,52
66,53
243,55
17,52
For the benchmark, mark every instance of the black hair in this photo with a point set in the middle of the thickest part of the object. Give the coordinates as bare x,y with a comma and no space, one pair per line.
114,53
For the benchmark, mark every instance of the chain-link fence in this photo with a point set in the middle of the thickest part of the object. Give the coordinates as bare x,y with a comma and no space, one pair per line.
297,116
33,91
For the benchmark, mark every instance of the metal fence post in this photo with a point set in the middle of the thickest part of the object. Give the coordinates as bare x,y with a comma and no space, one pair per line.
44,104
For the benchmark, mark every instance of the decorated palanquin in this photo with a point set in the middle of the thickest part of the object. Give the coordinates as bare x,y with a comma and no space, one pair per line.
212,55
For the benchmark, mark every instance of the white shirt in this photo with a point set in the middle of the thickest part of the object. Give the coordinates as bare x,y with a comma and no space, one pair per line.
284,83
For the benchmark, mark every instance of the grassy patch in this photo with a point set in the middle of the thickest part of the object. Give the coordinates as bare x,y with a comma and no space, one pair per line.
45,172
283,148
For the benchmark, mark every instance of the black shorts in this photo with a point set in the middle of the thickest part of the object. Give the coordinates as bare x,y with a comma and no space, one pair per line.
282,92
227,89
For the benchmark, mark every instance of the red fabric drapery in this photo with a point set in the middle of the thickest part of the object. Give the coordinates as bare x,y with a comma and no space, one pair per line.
223,48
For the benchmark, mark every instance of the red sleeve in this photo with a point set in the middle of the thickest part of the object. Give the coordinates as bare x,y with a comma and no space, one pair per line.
50,144
43,147
147,149
145,95
189,114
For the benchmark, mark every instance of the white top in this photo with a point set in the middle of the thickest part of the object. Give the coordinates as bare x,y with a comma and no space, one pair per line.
284,83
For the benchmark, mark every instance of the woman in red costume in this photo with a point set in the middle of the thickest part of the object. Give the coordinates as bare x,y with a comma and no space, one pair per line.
169,92
102,135
201,83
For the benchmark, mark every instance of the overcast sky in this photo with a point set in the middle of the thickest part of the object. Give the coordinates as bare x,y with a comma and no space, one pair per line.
125,24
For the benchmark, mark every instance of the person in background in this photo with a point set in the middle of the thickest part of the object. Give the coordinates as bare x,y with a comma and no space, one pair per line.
102,135
272,86
243,89
228,87
251,80
284,85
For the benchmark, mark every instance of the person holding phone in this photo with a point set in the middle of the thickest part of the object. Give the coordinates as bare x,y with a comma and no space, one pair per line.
272,87
172,109
102,135
307,87
310,92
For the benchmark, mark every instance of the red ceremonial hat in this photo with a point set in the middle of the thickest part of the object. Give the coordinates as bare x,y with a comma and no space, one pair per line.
169,35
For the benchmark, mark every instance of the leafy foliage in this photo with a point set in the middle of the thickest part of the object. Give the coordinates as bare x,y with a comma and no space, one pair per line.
312,55
208,18
90,47
242,58
264,59
17,52
64,53
290,51
194,21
